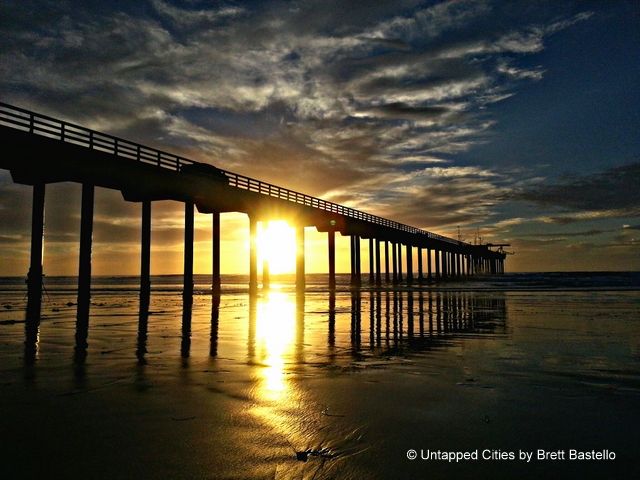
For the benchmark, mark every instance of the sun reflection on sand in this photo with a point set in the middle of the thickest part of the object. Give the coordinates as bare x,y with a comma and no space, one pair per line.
304,438
275,332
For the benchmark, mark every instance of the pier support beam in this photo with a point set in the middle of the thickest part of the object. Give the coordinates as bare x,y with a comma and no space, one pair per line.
332,258
253,254
395,262
400,262
420,272
445,264
437,262
300,280
145,280
358,262
372,273
34,277
378,272
355,261
187,291
352,258
409,263
387,276
84,269
429,276
452,264
215,253
145,256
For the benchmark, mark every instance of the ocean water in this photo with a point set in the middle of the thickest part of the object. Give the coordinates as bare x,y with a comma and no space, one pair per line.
327,385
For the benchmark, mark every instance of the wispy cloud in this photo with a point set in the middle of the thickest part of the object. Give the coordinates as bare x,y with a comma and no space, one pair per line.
362,102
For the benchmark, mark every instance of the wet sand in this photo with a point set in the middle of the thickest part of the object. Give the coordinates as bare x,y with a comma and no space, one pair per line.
350,383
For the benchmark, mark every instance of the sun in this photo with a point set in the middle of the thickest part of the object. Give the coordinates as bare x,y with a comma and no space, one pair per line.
277,245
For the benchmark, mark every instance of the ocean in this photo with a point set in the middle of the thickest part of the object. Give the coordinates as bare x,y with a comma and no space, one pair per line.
512,376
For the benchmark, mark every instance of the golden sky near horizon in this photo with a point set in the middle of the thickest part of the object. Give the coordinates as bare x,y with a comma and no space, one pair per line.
116,245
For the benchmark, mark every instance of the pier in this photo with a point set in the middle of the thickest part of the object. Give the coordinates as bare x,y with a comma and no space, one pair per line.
41,150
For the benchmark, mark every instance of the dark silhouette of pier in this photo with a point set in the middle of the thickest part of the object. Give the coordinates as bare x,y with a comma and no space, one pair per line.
145,174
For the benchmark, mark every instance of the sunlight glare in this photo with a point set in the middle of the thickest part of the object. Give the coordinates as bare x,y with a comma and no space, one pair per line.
275,331
277,245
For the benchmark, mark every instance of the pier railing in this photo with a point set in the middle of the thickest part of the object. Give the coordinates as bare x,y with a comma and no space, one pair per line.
43,125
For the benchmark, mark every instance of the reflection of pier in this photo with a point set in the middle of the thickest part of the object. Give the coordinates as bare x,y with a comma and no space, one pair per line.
422,320
48,150
380,323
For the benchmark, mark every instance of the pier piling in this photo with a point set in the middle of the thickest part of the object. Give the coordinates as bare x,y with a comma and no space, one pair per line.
332,258
34,277
394,248
215,253
387,276
187,290
84,269
145,256
372,272
378,272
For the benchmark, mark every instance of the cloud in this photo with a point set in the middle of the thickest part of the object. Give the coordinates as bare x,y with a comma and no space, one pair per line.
608,194
361,102
193,18
583,233
433,21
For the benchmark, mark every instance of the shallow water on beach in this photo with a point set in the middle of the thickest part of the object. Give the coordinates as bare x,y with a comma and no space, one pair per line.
349,382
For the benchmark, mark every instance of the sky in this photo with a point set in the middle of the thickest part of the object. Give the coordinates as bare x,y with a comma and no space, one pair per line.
515,121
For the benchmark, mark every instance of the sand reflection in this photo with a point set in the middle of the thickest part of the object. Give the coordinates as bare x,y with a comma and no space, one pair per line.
274,343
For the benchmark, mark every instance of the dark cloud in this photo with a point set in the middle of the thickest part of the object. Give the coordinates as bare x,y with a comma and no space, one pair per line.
403,110
583,233
613,190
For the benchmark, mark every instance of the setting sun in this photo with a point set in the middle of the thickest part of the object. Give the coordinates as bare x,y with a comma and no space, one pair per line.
277,245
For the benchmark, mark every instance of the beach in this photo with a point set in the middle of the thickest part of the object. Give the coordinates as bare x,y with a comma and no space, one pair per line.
328,385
